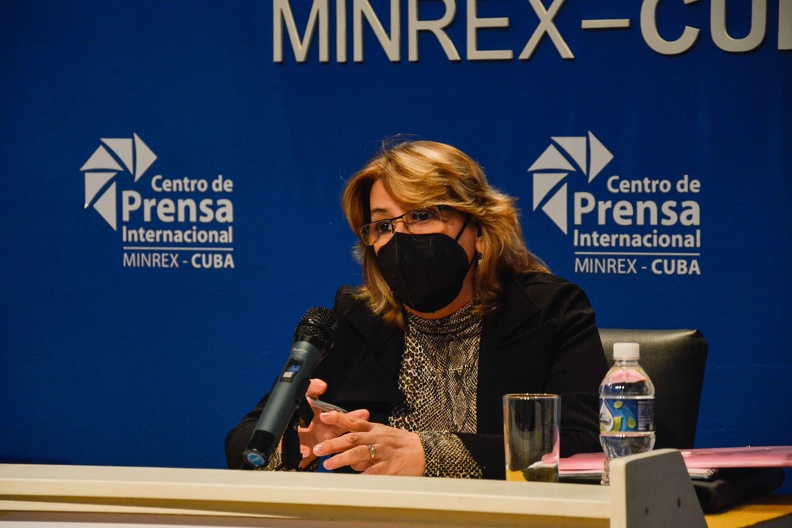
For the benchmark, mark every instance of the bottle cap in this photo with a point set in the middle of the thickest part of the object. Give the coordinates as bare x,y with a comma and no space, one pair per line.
626,351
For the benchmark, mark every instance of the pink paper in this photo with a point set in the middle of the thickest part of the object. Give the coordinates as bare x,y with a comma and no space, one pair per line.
625,376
706,458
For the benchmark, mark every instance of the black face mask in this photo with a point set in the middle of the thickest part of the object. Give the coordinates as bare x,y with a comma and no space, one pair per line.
424,272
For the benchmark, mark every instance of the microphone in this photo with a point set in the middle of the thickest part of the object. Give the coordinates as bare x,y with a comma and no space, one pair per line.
312,337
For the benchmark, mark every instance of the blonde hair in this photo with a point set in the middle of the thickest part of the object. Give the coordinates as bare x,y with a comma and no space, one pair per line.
426,173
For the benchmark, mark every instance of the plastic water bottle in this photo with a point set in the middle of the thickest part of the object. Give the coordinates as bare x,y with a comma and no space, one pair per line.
626,402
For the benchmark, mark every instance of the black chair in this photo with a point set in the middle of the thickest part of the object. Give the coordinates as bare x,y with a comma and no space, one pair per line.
674,361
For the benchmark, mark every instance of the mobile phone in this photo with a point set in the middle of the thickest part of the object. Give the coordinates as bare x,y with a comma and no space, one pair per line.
324,406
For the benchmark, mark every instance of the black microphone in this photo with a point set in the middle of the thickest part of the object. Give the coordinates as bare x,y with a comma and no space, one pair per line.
312,337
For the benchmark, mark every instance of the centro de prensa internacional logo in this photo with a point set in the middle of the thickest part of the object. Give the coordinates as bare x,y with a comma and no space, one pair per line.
114,156
564,156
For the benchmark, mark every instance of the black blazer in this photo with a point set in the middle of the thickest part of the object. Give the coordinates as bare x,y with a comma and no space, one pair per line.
543,339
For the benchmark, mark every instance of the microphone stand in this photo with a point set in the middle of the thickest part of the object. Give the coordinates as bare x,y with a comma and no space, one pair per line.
291,457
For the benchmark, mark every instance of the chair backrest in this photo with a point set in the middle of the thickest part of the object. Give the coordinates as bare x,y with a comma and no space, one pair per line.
674,361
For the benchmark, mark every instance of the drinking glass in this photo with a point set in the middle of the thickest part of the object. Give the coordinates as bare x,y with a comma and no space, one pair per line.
531,436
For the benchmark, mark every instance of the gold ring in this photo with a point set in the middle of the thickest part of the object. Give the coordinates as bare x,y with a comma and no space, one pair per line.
372,451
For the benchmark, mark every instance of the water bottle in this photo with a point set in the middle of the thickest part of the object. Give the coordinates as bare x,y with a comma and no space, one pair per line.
626,402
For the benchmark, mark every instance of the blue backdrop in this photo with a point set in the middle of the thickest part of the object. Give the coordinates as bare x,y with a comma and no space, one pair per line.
172,174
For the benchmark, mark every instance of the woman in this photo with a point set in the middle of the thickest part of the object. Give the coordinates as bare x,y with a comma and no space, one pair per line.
454,313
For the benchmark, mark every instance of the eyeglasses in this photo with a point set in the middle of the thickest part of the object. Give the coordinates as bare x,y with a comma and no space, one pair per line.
418,222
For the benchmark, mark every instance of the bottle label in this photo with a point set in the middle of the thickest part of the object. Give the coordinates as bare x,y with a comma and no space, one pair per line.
626,416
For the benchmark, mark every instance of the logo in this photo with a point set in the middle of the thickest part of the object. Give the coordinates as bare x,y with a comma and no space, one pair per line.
162,222
584,153
618,224
102,167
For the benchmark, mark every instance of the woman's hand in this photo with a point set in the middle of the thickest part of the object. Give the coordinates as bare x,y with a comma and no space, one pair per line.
374,449
317,431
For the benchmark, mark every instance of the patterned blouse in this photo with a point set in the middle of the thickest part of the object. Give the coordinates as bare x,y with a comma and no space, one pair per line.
439,376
